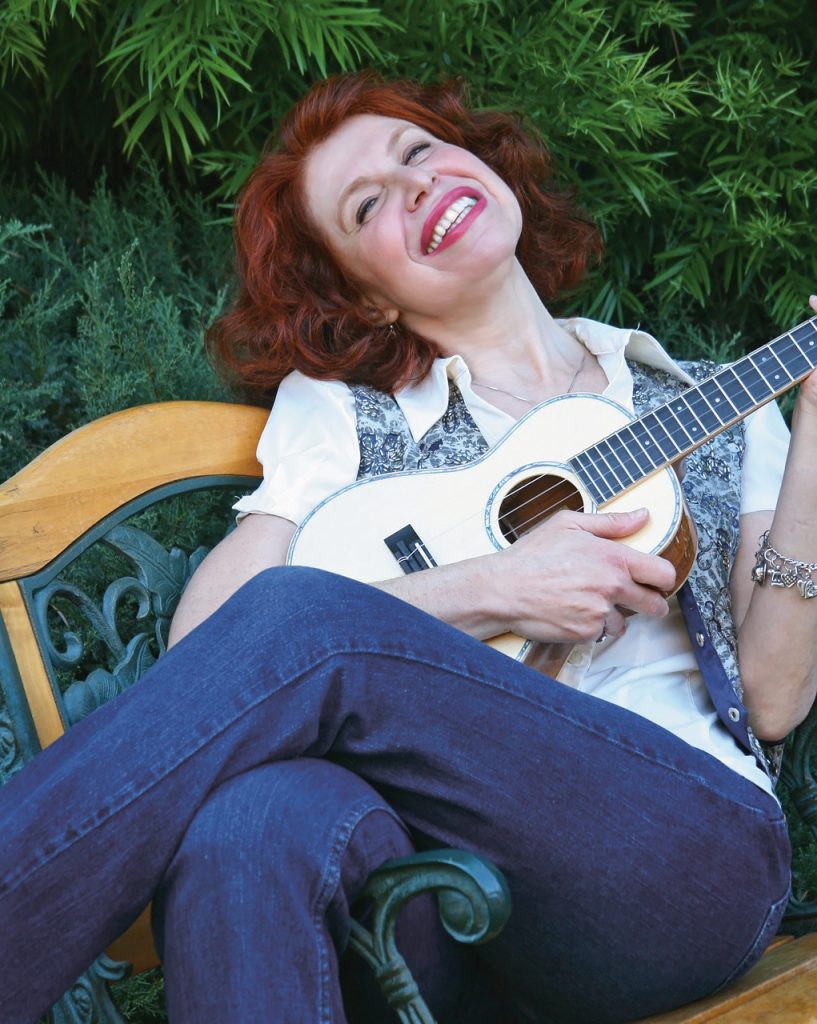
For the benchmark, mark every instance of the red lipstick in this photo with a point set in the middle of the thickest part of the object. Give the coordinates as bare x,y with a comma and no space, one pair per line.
439,209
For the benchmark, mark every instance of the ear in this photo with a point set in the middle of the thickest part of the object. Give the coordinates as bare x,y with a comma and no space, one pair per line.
384,315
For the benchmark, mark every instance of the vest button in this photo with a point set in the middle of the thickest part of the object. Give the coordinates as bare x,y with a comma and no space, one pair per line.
734,714
700,639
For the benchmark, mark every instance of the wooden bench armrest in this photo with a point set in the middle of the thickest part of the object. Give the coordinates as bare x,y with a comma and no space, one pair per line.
100,467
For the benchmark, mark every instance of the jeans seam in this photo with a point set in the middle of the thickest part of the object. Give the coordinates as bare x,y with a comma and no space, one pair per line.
759,943
296,679
328,886
614,740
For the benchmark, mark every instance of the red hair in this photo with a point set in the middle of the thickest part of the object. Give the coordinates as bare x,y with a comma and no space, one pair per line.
297,310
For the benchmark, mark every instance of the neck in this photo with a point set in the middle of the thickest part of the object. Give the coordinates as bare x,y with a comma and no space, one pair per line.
506,336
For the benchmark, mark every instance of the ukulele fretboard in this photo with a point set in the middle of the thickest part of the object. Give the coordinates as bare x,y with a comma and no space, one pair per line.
671,431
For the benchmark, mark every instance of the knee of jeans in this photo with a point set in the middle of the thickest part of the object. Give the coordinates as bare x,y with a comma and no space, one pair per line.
297,817
298,583
313,599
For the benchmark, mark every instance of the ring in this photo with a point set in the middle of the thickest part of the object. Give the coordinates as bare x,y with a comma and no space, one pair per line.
604,634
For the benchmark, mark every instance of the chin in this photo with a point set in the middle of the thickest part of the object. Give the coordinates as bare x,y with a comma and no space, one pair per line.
490,259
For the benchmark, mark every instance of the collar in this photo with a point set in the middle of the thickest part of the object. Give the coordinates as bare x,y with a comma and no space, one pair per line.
425,402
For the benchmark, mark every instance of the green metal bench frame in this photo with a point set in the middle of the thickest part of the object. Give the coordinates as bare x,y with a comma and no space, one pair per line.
81,493
472,896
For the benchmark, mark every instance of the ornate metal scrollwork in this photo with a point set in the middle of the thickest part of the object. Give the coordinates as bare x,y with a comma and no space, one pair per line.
799,781
474,905
145,602
88,1001
14,749
10,760
158,581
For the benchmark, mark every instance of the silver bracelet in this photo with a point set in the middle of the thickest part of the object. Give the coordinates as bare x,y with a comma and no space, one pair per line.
781,571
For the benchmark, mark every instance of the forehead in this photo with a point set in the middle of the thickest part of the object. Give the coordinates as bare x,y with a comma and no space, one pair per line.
355,148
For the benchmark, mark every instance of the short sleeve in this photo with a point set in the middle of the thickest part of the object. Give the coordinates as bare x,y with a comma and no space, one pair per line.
767,445
308,449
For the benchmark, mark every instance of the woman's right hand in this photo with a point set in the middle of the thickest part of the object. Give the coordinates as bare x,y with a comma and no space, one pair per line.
570,580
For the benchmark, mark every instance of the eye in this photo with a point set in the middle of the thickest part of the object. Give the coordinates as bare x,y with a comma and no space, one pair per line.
413,151
364,208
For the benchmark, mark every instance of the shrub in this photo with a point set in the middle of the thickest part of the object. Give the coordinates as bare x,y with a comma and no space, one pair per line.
104,302
688,129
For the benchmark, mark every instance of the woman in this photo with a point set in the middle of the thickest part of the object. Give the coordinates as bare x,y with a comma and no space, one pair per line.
396,252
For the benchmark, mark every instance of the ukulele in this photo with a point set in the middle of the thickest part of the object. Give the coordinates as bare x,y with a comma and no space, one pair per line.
578,451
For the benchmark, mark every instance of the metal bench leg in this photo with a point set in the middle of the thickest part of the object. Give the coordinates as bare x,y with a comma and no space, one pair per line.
474,905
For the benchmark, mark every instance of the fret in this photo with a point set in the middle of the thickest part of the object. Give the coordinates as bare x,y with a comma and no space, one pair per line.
652,450
602,468
719,401
806,338
636,448
753,379
667,446
731,386
669,421
773,369
704,412
690,424
631,466
610,455
791,355
582,466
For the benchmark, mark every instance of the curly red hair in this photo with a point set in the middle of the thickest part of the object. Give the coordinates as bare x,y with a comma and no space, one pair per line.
297,310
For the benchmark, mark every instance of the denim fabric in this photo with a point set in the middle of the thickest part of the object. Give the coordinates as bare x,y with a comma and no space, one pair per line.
711,485
642,870
271,865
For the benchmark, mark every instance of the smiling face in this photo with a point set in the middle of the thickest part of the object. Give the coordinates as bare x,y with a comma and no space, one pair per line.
420,224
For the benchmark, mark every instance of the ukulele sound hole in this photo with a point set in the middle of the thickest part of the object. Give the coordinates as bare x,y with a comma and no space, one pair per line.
532,501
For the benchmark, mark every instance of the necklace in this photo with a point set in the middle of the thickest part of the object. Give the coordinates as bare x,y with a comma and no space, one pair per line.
521,398
502,391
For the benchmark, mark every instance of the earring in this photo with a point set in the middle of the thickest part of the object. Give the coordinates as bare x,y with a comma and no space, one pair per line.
392,331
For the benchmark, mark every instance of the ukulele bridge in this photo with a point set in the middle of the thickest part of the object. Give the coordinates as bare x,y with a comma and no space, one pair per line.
411,553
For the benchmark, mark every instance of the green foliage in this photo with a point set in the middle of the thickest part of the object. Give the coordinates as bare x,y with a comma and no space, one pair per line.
688,129
104,304
141,998
162,77
803,835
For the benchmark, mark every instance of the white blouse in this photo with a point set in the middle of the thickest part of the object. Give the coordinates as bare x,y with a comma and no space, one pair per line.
309,449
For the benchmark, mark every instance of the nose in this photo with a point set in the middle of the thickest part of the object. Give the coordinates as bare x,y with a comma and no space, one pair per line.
418,183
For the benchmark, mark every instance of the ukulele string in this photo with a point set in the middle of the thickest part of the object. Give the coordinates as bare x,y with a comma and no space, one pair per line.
695,403
527,523
540,514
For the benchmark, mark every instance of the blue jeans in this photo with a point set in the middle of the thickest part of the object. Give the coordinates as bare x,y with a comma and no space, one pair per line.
272,863
644,873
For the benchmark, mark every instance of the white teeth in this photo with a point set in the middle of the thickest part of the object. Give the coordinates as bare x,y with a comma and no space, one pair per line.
453,215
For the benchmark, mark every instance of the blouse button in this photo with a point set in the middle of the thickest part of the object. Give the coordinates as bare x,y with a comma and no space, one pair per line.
700,639
734,714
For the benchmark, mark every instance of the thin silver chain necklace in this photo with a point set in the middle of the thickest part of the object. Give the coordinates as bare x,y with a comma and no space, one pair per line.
521,398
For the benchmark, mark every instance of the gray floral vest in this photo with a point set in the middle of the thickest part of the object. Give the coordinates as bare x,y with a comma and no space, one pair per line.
711,486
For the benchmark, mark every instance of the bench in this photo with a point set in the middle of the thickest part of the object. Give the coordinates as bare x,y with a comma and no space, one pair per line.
86,598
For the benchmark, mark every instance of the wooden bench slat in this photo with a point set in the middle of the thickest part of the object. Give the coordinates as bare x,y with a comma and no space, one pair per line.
785,975
34,677
135,946
100,467
792,1003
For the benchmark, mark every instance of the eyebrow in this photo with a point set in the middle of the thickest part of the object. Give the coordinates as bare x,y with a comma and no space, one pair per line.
363,179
